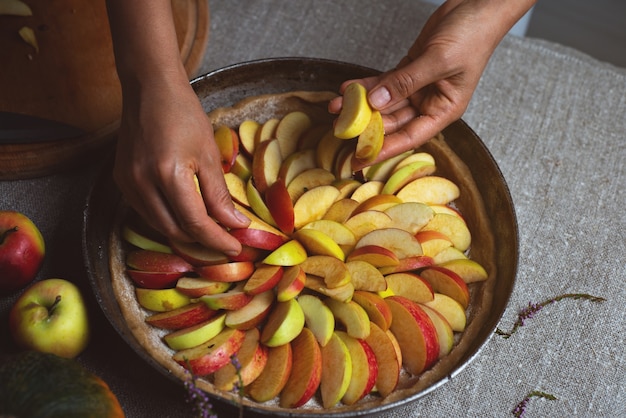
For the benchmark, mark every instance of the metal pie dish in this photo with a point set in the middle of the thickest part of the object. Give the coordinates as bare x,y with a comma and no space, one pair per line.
489,213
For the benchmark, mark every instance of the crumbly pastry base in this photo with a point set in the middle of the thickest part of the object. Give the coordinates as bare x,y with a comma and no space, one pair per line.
470,203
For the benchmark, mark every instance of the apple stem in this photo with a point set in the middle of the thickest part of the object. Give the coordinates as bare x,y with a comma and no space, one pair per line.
56,302
6,233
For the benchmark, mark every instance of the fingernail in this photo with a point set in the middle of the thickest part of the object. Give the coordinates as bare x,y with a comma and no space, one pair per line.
231,253
241,217
380,97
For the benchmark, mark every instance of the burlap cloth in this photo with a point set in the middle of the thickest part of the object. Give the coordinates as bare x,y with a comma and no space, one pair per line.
553,118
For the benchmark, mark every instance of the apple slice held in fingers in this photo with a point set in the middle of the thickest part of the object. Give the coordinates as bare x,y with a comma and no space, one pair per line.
284,323
258,238
469,270
230,300
336,371
234,271
364,369
227,142
377,310
214,354
264,278
252,358
355,112
371,140
306,371
387,358
290,253
447,282
196,334
194,287
183,317
197,254
291,283
318,318
253,313
274,375
266,164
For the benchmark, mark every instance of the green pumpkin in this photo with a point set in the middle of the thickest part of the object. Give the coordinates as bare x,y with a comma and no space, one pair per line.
40,385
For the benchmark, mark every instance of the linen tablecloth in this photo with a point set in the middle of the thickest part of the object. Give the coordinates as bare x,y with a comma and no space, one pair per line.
554,120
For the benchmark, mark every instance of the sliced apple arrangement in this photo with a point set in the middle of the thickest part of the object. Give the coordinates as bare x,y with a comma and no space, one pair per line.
345,282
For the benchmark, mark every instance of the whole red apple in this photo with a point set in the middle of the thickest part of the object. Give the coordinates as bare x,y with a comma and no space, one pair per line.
22,251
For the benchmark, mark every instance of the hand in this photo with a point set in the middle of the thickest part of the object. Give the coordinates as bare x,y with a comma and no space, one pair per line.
165,140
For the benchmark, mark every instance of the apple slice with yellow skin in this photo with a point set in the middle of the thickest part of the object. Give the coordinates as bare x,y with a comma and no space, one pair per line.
227,142
453,227
433,242
264,278
336,371
367,190
234,271
355,112
284,323
377,310
332,270
364,368
306,371
318,318
402,243
415,332
195,335
242,167
230,300
352,316
214,354
133,235
371,140
253,313
307,180
469,270
197,254
450,309
289,130
274,375
182,317
346,187
448,254
252,358
338,232
280,206
266,164
447,282
341,210
237,188
408,264
258,205
313,204
430,190
387,358
296,163
290,253
366,276
407,174
341,293
380,202
383,169
410,216
148,260
291,284
408,285
194,287
366,222
375,255
154,279
413,158
247,136
267,131
327,151
445,335
318,243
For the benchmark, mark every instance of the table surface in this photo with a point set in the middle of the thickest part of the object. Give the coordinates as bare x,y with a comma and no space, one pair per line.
552,117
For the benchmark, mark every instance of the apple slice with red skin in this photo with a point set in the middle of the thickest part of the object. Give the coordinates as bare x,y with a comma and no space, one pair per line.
154,279
234,271
214,354
377,310
258,238
137,232
194,287
375,255
407,264
266,164
252,358
156,261
197,254
253,313
364,368
274,375
231,300
387,359
182,317
306,371
408,285
445,334
447,282
280,206
249,254
332,270
415,333
227,142
336,371
264,278
291,283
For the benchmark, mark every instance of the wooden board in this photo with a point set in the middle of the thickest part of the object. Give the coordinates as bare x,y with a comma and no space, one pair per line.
72,78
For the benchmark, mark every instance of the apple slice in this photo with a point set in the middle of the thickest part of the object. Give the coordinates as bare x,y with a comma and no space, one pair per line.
266,164
242,167
453,227
415,333
227,142
410,216
291,284
257,203
408,285
371,140
248,254
237,188
194,287
144,240
447,254
274,375
447,282
408,264
375,255
332,270
182,317
413,158
469,270
310,138
402,243
355,112
366,222
346,187
258,223
352,316
366,276
253,313
267,131
290,253
195,335
213,354
382,170
234,271
377,310
327,151
231,300
264,278
161,300
318,243
445,335
449,309
430,190
247,136
433,242
197,254
341,293
307,180
154,279
313,204
446,209
252,358
156,261
407,174
387,359
318,318
290,129
339,233
364,369
340,210
343,163
306,371
367,190
284,323
379,202
336,371
280,206
296,163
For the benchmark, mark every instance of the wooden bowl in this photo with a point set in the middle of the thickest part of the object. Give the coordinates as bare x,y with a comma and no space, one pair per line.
472,165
